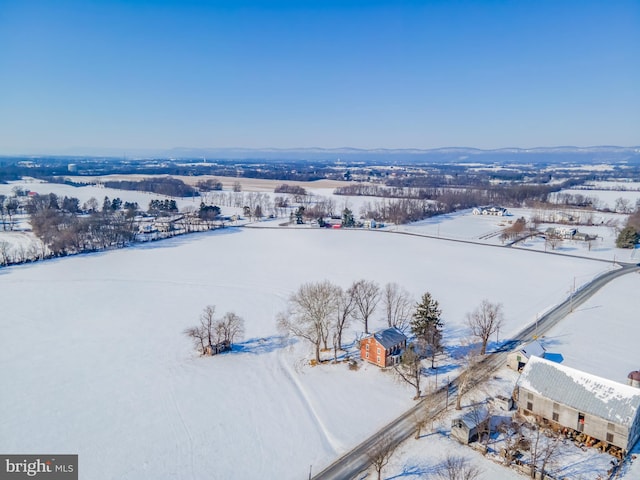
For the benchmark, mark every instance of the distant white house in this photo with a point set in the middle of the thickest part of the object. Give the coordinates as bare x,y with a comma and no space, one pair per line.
597,407
491,210
568,233
517,359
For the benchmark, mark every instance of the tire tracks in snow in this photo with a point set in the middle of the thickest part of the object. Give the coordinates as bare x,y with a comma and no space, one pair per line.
329,441
185,428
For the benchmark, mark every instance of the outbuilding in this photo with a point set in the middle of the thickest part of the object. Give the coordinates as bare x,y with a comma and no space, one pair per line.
517,359
597,407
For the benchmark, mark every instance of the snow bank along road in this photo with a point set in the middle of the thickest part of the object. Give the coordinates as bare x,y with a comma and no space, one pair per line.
400,429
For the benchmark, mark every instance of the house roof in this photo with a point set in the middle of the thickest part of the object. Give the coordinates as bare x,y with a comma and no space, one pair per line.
390,337
534,348
587,393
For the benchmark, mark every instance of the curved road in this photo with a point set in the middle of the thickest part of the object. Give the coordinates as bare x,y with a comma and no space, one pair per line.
357,460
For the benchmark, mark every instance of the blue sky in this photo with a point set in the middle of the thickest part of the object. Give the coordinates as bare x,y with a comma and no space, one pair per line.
368,74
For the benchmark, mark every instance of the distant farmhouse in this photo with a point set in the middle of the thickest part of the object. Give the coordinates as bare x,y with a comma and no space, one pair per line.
384,348
597,407
491,210
517,359
568,233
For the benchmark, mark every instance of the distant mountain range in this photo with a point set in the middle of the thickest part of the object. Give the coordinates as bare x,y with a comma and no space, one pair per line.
561,154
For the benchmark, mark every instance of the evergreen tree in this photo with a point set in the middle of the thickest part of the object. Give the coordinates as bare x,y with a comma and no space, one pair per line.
628,238
426,325
347,218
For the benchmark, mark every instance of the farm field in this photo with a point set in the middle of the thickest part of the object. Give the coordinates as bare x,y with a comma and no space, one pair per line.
100,354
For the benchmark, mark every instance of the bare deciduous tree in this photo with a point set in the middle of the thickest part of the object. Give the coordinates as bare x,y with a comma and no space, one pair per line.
344,312
310,312
544,449
366,295
458,468
199,337
468,376
230,328
5,247
410,368
484,321
397,303
207,323
380,454
512,438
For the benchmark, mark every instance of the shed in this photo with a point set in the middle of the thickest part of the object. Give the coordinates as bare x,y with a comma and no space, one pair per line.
468,427
517,359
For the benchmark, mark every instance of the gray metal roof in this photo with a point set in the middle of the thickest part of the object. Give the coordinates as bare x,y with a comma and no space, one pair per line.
390,337
613,401
473,418
533,348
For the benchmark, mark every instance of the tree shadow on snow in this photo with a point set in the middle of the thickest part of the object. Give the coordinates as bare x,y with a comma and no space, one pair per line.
259,346
419,471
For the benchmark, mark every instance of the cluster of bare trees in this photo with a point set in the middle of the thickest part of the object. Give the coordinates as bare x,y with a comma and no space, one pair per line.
515,230
318,312
407,200
400,210
9,207
542,445
211,334
11,254
172,187
254,204
452,467
64,229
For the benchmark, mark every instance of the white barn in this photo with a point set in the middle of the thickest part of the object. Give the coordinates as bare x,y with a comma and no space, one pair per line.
603,409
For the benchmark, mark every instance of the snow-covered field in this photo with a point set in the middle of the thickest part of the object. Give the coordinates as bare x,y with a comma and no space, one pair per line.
93,351
92,346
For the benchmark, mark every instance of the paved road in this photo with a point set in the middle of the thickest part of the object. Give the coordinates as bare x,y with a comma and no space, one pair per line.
356,461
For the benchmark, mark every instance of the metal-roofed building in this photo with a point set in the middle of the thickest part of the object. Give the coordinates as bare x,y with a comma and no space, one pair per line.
517,359
384,348
598,407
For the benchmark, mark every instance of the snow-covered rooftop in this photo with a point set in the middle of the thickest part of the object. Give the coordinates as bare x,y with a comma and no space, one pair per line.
534,348
585,392
390,337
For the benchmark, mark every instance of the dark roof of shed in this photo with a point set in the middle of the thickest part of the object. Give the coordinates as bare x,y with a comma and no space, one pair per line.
390,337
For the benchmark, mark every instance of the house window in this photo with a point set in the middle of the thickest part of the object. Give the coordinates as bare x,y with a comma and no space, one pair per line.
529,396
367,347
555,416
378,359
378,352
529,406
610,437
611,426
556,407
366,355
